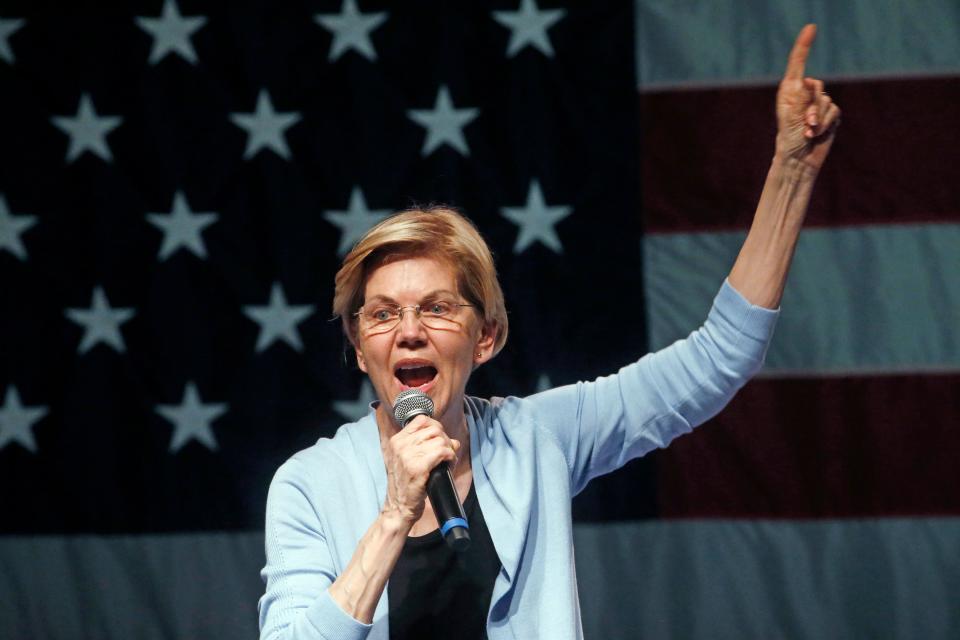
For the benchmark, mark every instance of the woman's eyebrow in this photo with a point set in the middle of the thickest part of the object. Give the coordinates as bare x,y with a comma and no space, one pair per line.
439,292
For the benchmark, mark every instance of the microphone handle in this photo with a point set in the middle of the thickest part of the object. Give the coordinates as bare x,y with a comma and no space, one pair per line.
446,506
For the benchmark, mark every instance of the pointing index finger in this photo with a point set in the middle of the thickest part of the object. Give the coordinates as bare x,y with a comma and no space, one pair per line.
798,55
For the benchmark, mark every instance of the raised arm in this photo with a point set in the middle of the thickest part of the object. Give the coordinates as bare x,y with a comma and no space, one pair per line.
806,123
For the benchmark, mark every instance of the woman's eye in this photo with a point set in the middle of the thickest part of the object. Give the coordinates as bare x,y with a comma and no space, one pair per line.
438,308
381,315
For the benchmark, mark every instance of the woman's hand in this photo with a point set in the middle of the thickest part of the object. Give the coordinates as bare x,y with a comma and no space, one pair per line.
410,455
806,116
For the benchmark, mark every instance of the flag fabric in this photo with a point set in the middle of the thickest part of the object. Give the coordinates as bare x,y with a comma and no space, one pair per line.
179,180
822,502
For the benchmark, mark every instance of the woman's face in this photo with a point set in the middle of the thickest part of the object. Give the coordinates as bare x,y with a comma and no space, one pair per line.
412,355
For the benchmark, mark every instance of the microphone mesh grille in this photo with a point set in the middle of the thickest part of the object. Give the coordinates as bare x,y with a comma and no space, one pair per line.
411,403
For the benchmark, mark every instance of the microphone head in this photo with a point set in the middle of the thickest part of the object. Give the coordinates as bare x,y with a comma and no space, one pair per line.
410,404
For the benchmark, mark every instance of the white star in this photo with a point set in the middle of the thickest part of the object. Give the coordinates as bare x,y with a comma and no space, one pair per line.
529,25
181,228
11,227
355,221
171,33
265,127
444,123
191,419
278,320
16,421
87,130
353,410
543,383
351,30
8,26
100,322
536,220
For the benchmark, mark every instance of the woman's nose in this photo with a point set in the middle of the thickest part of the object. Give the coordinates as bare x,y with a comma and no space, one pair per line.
410,324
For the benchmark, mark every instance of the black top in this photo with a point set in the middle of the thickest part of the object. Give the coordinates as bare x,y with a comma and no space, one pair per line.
435,592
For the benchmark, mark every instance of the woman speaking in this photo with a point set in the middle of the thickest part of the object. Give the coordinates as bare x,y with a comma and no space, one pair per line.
355,546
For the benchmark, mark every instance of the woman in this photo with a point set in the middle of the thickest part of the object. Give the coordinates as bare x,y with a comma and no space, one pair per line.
352,542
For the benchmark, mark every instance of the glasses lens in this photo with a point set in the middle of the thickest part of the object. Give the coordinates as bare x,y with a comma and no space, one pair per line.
379,318
440,314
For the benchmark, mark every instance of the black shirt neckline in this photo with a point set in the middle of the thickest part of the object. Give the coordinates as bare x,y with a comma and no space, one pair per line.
434,537
435,590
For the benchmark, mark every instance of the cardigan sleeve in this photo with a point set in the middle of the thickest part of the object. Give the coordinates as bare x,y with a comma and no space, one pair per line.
601,425
299,570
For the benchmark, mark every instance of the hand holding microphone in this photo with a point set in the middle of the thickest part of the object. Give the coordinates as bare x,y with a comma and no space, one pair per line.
417,465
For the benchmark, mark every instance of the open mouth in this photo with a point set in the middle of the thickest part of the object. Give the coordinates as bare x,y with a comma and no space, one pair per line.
415,375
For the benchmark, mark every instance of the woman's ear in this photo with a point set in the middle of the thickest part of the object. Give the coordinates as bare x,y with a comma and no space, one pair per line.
361,363
483,350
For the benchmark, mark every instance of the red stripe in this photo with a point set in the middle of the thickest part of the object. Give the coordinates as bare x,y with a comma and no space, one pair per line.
896,158
821,448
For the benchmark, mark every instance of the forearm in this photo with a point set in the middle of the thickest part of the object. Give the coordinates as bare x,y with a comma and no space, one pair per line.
358,589
760,271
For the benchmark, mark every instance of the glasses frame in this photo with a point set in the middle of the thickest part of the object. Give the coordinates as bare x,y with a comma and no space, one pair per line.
417,312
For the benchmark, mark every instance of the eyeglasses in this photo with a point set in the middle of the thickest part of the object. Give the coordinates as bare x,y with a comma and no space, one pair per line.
380,317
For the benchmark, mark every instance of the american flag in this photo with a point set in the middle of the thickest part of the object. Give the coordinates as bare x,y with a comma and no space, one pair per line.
179,181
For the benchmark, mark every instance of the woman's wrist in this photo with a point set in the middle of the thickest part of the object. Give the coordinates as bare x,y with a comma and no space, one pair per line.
393,520
793,165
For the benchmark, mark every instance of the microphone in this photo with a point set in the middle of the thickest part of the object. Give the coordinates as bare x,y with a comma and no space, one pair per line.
440,486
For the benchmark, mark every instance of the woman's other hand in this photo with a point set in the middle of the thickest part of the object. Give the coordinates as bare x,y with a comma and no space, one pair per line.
806,116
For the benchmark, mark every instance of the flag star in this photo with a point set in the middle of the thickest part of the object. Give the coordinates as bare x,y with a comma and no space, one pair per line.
529,25
101,323
353,410
171,33
16,421
355,221
9,26
87,130
265,127
444,124
543,383
182,228
11,227
536,220
278,320
351,30
191,419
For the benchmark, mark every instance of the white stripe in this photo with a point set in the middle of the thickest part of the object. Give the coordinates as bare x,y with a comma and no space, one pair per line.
874,372
711,43
717,580
861,300
713,579
772,81
201,585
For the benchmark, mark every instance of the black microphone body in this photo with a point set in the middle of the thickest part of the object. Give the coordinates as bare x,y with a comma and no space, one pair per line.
440,486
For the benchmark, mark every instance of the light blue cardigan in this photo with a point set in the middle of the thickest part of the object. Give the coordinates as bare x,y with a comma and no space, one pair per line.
530,457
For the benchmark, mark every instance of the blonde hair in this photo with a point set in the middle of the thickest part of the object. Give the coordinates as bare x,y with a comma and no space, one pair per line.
435,231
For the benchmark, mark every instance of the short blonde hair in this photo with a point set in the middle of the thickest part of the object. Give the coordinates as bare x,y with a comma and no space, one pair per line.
436,231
